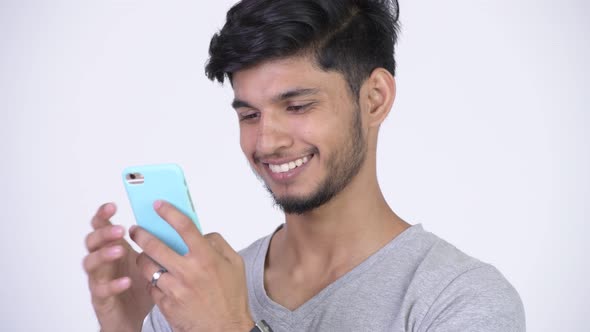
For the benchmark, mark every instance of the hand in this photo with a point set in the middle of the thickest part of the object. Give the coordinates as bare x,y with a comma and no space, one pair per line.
204,290
119,293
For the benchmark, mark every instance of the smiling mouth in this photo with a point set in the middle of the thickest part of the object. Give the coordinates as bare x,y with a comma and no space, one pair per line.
286,167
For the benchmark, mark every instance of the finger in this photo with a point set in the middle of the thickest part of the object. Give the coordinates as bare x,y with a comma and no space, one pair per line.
218,243
95,260
103,236
102,216
154,248
149,268
158,296
185,227
102,290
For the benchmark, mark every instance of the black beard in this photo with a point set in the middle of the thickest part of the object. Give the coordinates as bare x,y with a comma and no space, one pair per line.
342,168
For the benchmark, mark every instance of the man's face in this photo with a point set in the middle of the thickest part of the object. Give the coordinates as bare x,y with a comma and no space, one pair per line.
300,130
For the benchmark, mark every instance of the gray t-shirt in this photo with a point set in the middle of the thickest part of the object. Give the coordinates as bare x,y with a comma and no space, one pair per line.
417,282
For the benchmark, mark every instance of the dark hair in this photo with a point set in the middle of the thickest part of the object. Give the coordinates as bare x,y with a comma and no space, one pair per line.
352,37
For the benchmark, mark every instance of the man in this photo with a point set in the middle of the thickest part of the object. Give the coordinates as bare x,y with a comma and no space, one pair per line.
313,81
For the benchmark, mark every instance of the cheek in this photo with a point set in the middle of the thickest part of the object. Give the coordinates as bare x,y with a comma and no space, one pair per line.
247,141
328,133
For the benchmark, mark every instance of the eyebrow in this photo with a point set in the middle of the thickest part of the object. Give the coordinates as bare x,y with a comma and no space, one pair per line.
237,103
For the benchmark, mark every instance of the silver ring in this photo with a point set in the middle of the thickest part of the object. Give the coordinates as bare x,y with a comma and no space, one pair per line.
156,276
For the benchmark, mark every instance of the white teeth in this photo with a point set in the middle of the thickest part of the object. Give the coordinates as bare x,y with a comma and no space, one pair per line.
288,166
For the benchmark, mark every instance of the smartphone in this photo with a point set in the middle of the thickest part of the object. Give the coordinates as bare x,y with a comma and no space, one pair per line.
147,184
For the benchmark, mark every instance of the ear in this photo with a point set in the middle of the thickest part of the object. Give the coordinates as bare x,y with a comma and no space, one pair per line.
379,95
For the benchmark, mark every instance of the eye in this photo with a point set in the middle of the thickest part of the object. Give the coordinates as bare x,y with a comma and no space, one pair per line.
248,116
298,108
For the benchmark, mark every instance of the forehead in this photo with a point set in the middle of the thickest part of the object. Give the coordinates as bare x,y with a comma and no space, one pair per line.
271,78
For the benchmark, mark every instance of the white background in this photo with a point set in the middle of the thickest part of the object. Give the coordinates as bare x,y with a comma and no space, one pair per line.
487,145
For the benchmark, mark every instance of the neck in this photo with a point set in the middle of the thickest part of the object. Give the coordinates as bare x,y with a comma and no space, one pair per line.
350,227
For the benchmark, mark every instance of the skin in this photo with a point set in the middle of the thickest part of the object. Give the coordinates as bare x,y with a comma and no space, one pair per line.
118,290
315,248
205,290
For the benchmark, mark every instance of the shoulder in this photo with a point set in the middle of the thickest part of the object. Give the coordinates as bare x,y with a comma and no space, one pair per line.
480,299
258,248
462,293
254,250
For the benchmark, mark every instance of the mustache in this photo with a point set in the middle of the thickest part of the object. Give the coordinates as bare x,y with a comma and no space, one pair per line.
283,154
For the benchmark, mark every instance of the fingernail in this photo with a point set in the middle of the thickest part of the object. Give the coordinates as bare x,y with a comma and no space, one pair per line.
124,282
157,204
109,207
118,230
115,251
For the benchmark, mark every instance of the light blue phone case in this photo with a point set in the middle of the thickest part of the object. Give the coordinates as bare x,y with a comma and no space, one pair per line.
159,182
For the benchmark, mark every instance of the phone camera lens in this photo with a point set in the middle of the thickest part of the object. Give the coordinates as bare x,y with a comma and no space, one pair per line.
132,176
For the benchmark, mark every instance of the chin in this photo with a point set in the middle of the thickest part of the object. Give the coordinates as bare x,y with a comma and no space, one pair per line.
300,204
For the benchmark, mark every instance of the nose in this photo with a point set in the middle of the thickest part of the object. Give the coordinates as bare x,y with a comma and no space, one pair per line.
273,135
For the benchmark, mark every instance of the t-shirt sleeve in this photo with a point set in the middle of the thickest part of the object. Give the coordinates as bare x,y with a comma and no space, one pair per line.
480,299
155,322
